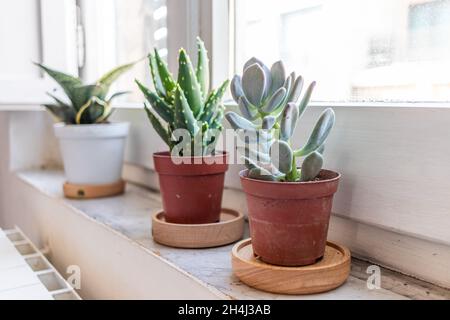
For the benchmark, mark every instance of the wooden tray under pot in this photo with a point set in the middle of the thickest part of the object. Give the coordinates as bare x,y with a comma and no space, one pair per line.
327,274
229,229
78,191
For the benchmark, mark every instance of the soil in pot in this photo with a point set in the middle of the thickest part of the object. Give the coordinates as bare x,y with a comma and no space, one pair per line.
191,192
289,220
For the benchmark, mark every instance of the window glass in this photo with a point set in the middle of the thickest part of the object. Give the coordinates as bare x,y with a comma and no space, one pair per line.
141,26
357,50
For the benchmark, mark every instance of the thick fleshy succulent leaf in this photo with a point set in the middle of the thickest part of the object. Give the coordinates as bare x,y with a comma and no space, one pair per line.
287,86
237,122
292,82
254,84
202,70
281,155
289,119
311,166
247,110
183,115
189,84
213,102
108,78
275,101
319,134
66,81
254,155
268,122
262,171
166,77
158,126
164,110
246,130
157,81
261,174
305,100
268,78
236,88
296,90
278,75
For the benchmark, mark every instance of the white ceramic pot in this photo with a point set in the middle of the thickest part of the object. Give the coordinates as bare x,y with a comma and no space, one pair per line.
92,153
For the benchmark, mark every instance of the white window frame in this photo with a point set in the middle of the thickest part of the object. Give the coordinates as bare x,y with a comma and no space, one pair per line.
59,50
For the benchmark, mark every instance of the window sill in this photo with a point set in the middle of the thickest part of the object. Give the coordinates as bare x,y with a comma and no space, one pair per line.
128,216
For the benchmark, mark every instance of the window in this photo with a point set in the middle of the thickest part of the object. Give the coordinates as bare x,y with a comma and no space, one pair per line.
357,50
121,31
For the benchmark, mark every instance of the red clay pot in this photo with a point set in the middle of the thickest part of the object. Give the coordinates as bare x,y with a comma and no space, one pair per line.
191,192
289,220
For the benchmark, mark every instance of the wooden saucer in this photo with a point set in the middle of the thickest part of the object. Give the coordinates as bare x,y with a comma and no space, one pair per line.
79,191
229,229
328,273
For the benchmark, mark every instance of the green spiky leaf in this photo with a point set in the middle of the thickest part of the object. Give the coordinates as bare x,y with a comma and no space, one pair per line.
289,119
202,70
183,115
157,125
164,110
166,77
157,81
213,102
189,84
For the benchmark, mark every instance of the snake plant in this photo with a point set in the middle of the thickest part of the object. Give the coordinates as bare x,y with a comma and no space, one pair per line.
185,104
87,103
270,105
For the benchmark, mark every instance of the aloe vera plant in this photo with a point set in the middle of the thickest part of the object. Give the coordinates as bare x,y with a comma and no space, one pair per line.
185,103
270,104
88,103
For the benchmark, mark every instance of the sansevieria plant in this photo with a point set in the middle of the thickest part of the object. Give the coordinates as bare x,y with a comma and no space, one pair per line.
92,147
87,103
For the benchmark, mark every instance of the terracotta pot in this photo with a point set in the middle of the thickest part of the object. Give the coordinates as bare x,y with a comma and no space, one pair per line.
191,192
289,220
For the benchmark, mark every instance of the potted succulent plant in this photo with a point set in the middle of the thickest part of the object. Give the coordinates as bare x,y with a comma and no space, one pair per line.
92,147
289,207
187,116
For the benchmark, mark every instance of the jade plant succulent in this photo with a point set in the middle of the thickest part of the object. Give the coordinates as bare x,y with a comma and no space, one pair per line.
270,105
185,103
88,103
